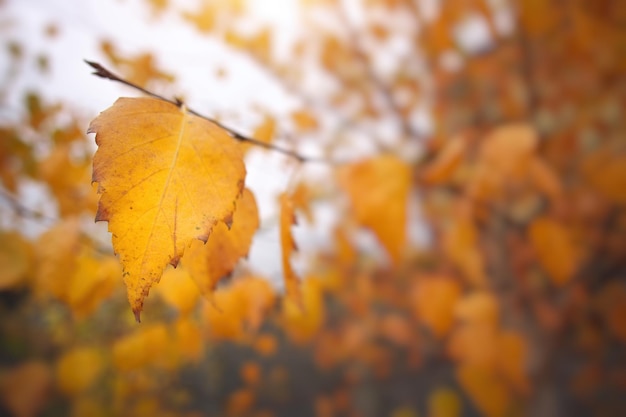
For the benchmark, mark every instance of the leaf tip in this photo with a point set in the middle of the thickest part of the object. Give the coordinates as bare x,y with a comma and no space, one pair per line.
137,314
228,220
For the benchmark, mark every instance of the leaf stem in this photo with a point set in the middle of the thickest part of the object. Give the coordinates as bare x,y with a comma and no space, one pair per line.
102,72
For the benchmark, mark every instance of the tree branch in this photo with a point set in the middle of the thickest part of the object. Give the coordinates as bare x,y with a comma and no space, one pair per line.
102,72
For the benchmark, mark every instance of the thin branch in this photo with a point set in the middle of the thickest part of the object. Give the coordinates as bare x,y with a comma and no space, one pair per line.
102,72
379,84
21,210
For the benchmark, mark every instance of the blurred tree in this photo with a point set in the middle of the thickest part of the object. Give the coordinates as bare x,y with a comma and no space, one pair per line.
504,118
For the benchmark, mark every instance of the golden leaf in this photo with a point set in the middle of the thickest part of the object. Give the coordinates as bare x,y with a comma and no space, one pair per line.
378,189
147,346
434,299
441,169
78,369
165,177
287,247
208,263
485,389
511,360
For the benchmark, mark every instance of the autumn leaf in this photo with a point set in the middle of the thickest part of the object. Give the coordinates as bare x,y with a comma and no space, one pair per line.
209,262
555,249
433,300
378,189
287,247
165,177
78,369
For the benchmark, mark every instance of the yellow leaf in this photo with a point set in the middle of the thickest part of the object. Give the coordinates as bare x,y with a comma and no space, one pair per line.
91,283
239,307
512,357
209,262
56,258
302,321
15,259
304,120
263,133
434,299
479,307
509,149
68,180
378,189
287,247
554,247
446,162
78,369
178,290
147,346
188,339
165,177
488,393
474,344
460,242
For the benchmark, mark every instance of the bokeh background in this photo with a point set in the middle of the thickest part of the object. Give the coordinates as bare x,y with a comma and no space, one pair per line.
461,248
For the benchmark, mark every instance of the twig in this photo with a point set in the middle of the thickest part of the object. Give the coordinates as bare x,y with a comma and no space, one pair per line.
102,72
21,210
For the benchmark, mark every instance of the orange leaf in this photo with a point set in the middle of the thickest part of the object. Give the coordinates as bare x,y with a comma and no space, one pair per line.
555,249
509,149
488,393
434,299
304,120
460,243
288,246
209,262
512,357
165,177
446,162
479,307
378,189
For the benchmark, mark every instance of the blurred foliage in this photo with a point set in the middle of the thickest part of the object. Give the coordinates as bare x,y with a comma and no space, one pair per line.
516,307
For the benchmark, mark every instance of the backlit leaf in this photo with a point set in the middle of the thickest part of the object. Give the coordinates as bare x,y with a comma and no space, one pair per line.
211,261
165,178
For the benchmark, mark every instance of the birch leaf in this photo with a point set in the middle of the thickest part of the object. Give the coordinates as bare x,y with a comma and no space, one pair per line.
165,177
